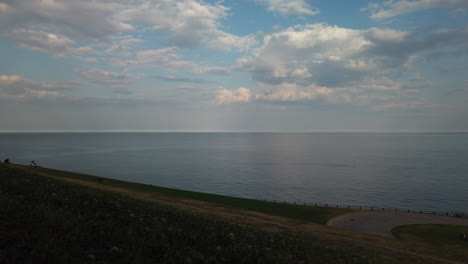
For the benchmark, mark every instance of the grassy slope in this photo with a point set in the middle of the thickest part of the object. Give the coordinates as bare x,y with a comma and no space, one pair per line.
444,238
298,212
48,221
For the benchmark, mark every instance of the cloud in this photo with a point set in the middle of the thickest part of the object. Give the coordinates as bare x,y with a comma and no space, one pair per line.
405,105
292,92
332,56
124,44
198,69
14,87
175,78
75,19
47,42
225,96
289,7
319,53
164,58
365,92
392,8
334,64
188,23
15,81
184,23
105,77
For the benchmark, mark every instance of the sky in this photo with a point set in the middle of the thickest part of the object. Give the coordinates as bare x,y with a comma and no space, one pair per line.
234,65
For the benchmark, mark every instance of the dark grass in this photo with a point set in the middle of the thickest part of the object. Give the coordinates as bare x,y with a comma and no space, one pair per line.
49,221
443,239
438,237
312,214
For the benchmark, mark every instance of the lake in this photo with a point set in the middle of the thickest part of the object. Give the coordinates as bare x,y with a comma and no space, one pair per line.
419,171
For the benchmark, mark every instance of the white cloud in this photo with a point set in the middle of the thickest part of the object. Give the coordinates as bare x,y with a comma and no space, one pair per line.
333,64
198,69
185,23
47,42
289,7
330,56
225,96
188,23
310,54
292,92
14,87
382,84
105,77
15,81
392,8
74,19
124,44
164,58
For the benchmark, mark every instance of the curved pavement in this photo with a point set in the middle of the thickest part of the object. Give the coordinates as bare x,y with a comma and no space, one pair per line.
382,223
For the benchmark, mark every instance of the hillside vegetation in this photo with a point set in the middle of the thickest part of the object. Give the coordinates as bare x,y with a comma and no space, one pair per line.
49,221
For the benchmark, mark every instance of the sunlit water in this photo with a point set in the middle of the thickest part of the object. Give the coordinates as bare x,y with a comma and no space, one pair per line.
420,171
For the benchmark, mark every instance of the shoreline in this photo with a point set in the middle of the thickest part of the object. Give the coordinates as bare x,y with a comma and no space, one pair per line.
299,212
206,196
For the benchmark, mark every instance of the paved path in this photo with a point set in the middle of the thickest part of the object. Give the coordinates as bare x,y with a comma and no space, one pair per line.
381,223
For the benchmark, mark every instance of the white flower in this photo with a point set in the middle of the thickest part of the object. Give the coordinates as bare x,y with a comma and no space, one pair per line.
116,249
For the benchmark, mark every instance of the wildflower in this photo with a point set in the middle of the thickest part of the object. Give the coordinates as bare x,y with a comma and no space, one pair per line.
91,256
231,236
54,194
116,249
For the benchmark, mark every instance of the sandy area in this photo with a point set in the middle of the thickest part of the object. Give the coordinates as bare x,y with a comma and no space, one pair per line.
381,223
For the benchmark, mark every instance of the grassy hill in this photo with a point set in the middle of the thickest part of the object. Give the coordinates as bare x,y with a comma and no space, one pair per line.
43,220
311,214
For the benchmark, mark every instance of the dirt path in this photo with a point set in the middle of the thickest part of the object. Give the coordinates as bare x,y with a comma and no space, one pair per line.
372,246
382,223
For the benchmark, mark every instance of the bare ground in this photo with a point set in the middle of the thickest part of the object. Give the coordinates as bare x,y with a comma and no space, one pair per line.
381,223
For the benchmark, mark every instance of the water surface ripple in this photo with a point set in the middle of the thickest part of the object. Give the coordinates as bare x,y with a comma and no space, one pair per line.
421,171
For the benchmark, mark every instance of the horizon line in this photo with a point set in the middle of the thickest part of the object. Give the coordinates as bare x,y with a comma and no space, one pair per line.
226,131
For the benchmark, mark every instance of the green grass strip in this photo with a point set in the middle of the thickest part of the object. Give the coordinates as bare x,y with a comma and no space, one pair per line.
306,213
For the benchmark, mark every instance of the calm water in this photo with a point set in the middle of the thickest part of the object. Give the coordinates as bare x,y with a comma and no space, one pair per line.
404,170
